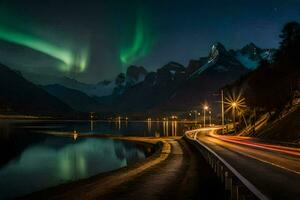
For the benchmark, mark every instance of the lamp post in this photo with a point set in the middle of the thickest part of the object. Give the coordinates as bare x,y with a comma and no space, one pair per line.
209,117
234,104
222,110
205,107
199,117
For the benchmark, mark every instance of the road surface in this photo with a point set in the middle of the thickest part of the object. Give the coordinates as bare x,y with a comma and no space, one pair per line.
274,170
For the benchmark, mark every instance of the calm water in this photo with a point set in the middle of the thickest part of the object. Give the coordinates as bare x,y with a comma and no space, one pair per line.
31,161
137,128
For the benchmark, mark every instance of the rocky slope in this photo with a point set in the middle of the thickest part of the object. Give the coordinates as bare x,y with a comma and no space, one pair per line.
19,96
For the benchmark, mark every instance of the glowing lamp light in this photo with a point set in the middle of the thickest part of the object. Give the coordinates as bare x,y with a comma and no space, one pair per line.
75,135
233,102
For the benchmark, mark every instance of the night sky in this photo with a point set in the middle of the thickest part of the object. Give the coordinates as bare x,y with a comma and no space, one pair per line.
96,40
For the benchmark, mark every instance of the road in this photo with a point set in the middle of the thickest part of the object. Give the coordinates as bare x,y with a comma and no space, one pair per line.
274,170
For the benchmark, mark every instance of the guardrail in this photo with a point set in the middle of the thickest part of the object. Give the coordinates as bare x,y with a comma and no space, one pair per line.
239,187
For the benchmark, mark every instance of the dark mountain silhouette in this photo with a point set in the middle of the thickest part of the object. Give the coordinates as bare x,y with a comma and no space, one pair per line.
133,75
214,71
101,88
156,88
19,96
174,87
76,99
171,87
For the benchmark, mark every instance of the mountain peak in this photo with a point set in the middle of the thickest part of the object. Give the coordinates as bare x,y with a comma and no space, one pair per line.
250,48
218,45
216,50
251,44
135,72
173,64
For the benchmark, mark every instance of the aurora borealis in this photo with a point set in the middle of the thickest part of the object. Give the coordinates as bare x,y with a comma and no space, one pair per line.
141,43
70,60
96,40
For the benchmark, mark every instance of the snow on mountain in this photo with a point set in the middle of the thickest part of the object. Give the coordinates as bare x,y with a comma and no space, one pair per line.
246,60
203,68
219,59
268,54
251,55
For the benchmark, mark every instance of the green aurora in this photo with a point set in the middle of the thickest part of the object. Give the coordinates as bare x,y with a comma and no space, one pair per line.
71,60
73,56
141,44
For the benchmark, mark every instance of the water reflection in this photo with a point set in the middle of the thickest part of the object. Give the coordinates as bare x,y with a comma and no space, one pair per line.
116,126
165,128
92,125
118,123
57,160
174,128
25,154
149,123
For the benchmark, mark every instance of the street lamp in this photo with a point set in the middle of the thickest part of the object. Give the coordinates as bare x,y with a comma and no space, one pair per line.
205,107
209,117
235,103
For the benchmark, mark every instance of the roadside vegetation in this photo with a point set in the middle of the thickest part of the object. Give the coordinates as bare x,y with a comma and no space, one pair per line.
271,92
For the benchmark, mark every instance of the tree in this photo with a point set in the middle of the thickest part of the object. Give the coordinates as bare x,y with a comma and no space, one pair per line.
287,61
272,85
267,89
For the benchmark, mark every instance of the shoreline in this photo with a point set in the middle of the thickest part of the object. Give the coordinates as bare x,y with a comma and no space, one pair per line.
106,181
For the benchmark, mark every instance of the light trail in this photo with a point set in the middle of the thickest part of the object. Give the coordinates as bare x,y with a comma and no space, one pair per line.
286,150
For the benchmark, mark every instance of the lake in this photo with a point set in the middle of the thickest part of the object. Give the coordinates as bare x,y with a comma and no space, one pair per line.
32,160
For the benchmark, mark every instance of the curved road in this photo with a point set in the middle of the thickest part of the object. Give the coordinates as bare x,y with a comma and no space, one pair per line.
273,169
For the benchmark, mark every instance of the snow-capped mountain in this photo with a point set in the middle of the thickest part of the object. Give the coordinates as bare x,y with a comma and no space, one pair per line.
218,58
251,55
174,86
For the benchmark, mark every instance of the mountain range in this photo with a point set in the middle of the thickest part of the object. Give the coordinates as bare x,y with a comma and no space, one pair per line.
133,75
173,87
20,96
